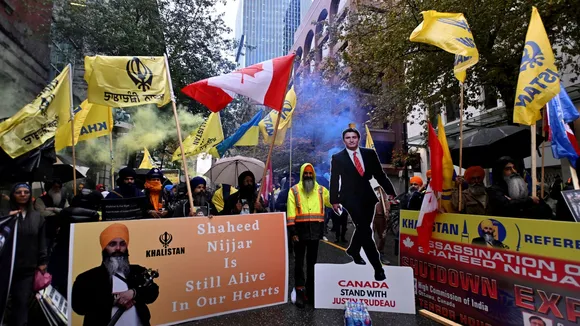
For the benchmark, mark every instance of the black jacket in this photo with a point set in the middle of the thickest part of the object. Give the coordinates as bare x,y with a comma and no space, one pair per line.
230,204
31,247
355,189
92,295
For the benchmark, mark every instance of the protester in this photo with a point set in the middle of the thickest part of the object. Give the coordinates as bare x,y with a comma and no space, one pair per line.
102,189
88,199
49,206
246,200
305,220
157,200
412,199
221,195
351,170
127,187
98,293
201,198
31,251
508,195
282,199
475,200
380,223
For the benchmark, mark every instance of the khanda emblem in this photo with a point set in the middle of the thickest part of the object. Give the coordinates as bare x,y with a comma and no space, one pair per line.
165,239
532,56
140,74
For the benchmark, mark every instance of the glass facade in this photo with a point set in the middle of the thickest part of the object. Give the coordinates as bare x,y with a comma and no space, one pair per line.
268,27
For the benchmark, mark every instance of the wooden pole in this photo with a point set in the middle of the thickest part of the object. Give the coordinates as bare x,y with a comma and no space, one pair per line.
542,176
112,157
461,145
269,154
72,126
574,178
534,161
174,106
290,170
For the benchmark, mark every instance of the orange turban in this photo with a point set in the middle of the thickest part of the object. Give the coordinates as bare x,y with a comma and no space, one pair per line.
428,173
309,168
416,180
474,171
114,231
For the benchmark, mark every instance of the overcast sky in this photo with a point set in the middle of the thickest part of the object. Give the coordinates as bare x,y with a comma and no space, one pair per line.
230,15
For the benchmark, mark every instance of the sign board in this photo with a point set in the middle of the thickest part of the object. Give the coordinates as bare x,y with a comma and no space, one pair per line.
338,283
572,199
120,209
207,267
483,270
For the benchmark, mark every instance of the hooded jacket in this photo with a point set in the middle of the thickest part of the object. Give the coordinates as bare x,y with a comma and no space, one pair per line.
305,211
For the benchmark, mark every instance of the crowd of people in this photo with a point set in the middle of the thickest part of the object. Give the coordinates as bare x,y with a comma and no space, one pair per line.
508,194
44,222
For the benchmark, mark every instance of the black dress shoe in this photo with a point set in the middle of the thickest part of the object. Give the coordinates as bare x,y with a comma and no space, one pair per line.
356,258
300,298
380,275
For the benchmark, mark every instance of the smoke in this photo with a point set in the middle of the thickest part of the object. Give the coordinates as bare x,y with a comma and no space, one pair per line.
151,128
322,113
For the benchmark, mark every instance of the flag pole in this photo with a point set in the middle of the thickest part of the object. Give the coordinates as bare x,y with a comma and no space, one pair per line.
290,169
112,157
534,161
574,177
461,145
274,136
189,194
543,146
72,124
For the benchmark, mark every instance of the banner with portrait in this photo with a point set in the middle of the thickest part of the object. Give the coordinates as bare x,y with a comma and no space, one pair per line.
483,270
118,209
207,267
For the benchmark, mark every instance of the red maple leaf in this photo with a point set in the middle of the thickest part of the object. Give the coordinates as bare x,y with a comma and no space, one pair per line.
250,71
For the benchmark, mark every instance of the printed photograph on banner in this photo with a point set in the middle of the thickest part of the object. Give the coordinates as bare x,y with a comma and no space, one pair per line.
495,270
160,261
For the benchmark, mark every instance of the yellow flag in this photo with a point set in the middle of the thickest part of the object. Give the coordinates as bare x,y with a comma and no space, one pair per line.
448,169
147,162
37,122
369,141
204,138
63,137
127,81
538,81
450,32
268,124
99,121
91,121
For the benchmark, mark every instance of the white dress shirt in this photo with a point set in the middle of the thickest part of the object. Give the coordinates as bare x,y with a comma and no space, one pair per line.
358,155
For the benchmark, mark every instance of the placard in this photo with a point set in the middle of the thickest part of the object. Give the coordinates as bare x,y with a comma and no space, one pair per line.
485,270
207,267
572,199
121,209
338,283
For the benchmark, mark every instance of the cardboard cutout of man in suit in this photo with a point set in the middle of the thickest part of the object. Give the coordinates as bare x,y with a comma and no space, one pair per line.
351,170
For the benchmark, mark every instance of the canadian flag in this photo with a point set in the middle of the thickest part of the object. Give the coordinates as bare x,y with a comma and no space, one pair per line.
430,205
265,83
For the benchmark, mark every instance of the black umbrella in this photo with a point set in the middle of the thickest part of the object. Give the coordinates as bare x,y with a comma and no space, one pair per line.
64,172
486,145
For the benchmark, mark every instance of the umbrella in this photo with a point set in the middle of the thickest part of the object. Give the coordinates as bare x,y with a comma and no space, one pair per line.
228,169
484,146
64,172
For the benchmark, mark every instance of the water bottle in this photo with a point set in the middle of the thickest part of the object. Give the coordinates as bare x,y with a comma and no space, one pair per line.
367,319
358,321
348,318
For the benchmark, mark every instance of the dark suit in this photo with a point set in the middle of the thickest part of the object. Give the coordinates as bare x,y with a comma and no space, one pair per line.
481,242
358,197
92,295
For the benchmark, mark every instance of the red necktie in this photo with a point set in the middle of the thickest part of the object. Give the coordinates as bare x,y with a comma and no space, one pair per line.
358,165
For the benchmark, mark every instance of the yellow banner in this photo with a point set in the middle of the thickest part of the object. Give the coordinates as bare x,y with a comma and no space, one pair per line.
37,122
450,32
207,267
538,81
369,141
268,124
127,81
147,162
250,138
448,169
204,138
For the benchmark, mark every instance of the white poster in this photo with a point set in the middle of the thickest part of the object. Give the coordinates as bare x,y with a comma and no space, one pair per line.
338,283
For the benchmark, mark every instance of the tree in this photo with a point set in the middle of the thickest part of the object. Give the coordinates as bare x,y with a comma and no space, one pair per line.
188,31
400,77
